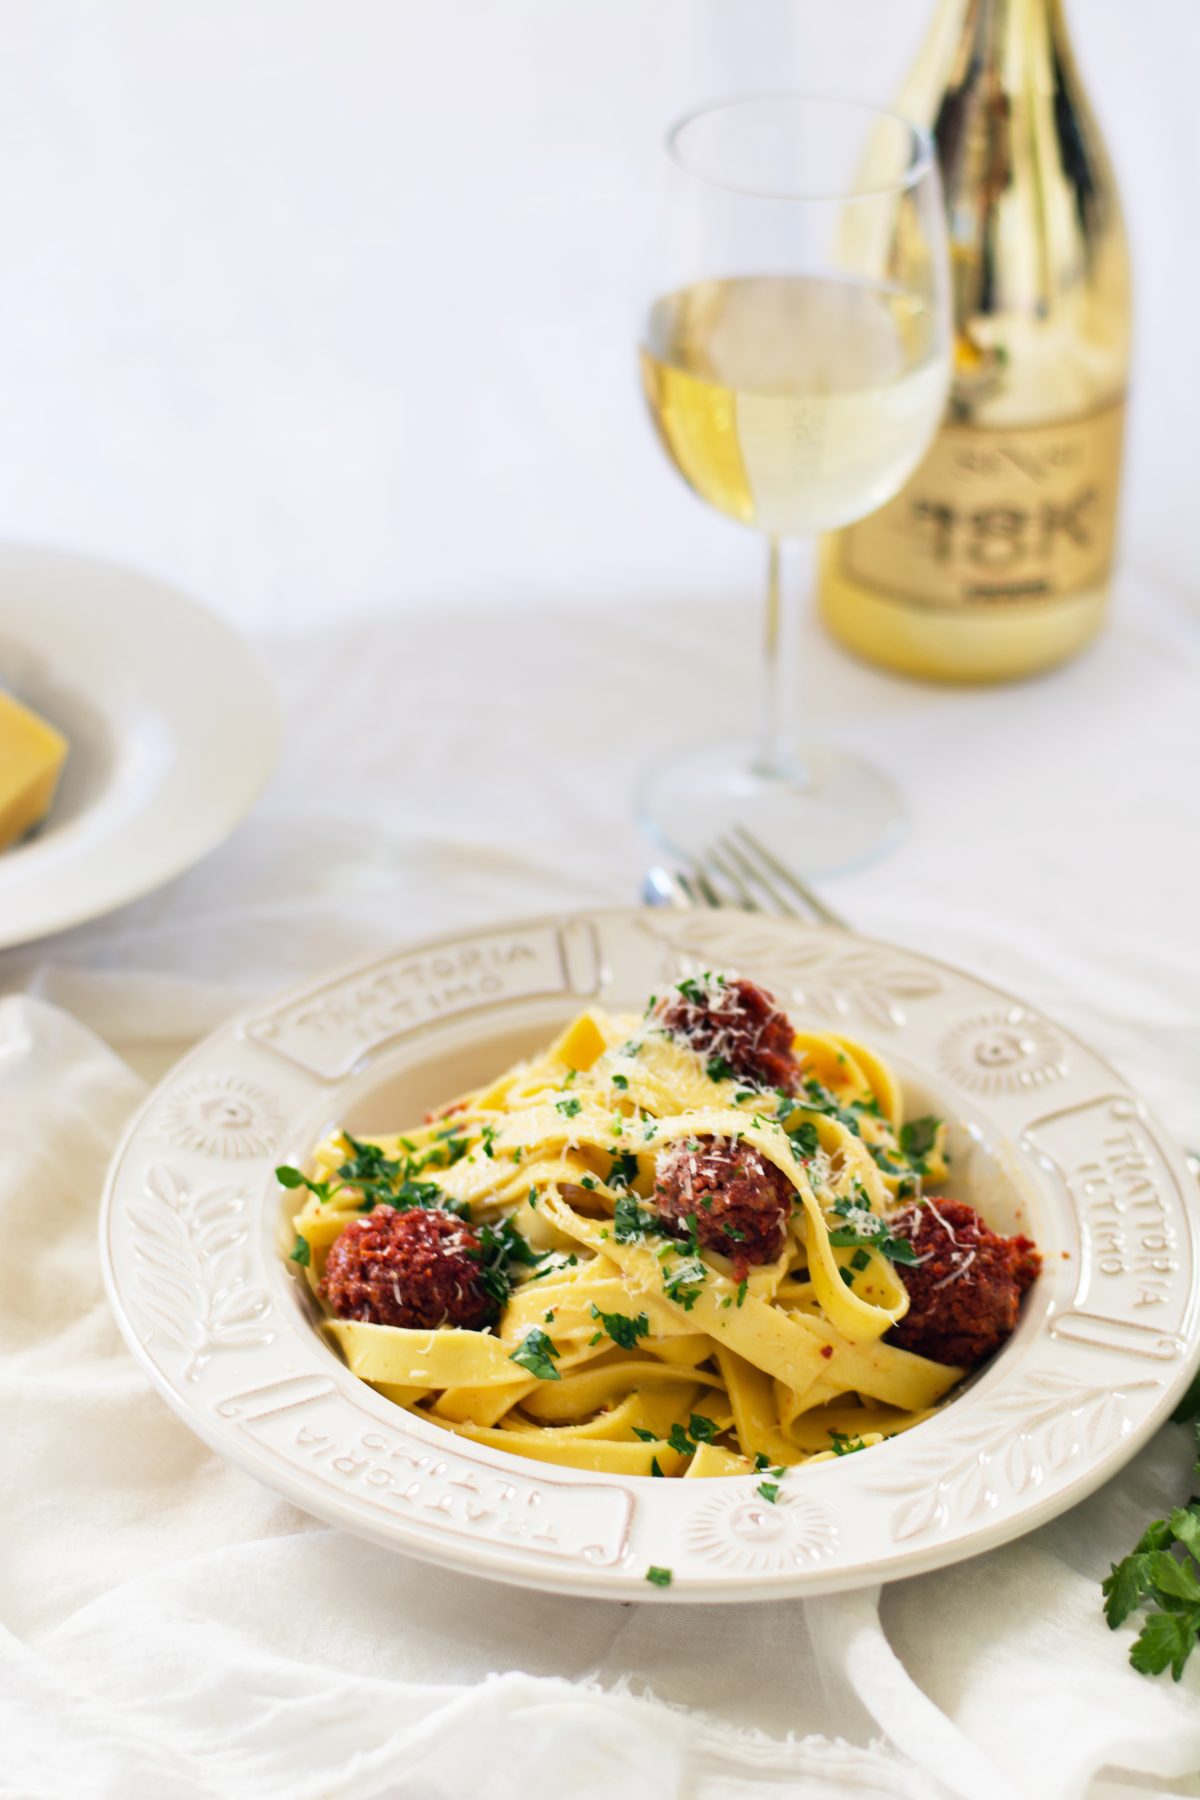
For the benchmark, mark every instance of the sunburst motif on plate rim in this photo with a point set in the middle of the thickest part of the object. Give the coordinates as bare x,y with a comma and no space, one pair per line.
1003,1052
740,1529
223,1115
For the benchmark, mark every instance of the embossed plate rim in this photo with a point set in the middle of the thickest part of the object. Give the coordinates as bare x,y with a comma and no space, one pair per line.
661,1514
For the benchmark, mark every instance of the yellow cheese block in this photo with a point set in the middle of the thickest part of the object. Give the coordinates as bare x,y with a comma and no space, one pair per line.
32,754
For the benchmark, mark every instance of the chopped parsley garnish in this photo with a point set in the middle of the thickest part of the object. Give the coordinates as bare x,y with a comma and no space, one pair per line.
692,987
682,1283
534,1353
843,1444
917,1138
742,1285
806,1139
860,1260
882,1160
659,1577
623,1330
588,1181
288,1177
654,1468
569,1107
501,1245
301,1252
820,1100
717,1069
630,1220
863,1227
647,1437
369,1168
382,1180
489,1140
620,1081
687,1438
624,1169
769,1490
417,1193
1161,1578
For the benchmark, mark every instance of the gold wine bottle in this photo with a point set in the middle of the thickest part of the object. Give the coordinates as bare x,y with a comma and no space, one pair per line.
994,558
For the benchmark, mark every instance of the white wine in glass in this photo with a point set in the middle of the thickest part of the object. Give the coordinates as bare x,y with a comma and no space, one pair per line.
795,358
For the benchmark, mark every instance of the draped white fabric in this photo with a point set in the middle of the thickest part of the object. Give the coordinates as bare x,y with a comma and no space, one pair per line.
169,1629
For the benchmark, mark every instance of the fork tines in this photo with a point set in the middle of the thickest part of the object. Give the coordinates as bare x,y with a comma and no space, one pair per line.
738,870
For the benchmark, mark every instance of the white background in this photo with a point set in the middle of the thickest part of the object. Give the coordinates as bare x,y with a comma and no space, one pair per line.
321,306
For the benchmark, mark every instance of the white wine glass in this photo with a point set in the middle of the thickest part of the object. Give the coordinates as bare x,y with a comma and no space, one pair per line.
795,357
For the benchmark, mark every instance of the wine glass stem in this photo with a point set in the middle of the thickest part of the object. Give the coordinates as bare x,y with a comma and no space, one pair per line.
777,757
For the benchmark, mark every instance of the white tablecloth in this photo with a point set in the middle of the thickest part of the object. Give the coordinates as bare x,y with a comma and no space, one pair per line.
169,1629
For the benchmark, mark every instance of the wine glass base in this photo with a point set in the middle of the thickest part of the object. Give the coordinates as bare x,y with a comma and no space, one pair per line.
835,814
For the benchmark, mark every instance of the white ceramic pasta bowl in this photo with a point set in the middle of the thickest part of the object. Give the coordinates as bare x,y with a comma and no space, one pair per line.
1044,1137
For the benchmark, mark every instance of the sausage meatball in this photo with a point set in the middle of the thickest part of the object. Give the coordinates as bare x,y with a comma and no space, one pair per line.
736,1025
417,1269
965,1290
739,1200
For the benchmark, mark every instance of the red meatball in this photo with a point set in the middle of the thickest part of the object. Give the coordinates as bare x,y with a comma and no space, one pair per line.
734,1023
739,1200
417,1269
965,1292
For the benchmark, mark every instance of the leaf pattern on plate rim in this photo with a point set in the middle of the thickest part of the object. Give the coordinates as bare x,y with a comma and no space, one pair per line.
1032,1429
190,1283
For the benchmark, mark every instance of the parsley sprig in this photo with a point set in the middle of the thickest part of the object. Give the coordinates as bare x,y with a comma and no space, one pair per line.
1161,1578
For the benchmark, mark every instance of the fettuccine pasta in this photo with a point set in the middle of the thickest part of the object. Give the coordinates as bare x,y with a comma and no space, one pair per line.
669,1245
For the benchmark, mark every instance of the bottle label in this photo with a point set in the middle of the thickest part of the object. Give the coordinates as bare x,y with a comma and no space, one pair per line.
996,517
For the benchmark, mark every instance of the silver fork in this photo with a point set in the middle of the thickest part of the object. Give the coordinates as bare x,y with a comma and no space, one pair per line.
738,870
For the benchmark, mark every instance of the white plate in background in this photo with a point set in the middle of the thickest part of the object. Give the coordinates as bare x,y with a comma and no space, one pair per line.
1044,1137
172,724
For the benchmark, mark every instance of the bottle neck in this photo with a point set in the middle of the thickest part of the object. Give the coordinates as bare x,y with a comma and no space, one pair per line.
1002,44
1013,37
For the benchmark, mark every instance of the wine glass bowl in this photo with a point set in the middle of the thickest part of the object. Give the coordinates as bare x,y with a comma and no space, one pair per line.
795,359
